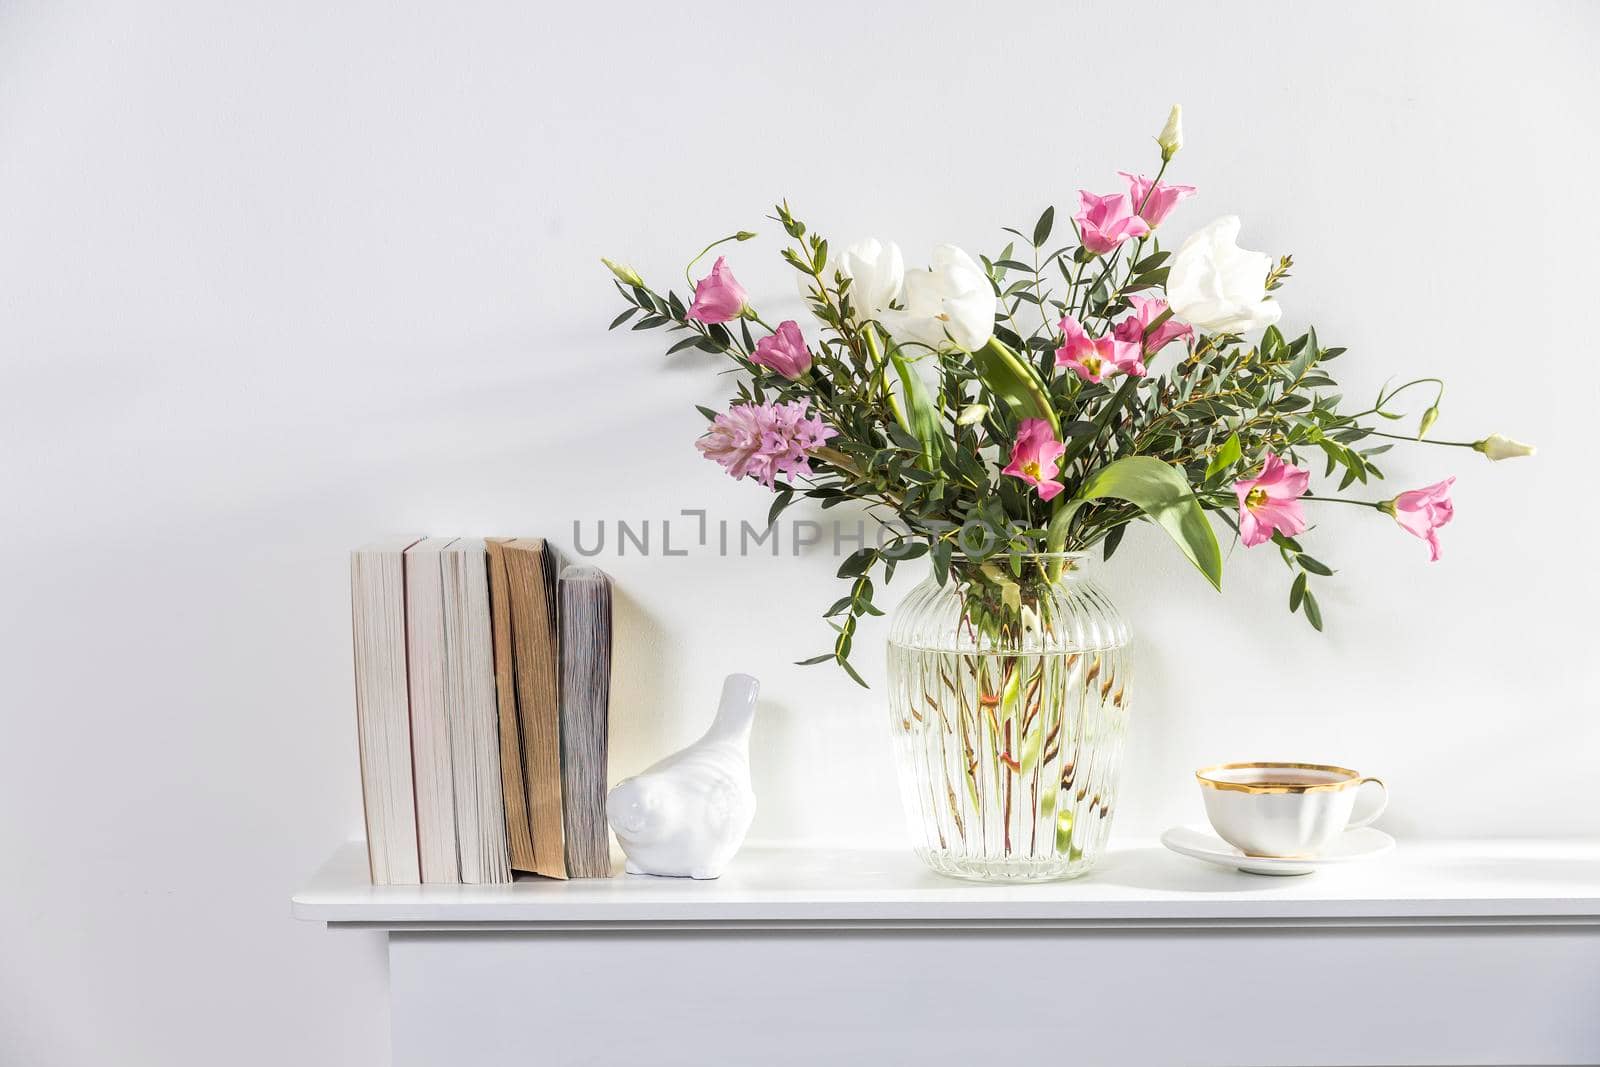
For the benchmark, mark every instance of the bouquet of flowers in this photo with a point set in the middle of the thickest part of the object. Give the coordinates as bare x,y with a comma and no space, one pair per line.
1082,378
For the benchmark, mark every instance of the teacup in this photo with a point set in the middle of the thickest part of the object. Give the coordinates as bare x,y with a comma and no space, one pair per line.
1288,810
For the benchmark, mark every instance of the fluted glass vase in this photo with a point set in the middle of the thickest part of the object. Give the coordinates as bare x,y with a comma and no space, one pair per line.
1009,698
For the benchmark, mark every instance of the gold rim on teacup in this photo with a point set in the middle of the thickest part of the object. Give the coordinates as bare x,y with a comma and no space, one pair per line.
1350,780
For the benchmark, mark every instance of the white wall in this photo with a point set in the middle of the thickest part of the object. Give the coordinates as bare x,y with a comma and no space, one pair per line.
279,278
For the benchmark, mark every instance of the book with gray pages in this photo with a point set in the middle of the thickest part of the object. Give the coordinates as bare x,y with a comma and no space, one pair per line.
383,709
585,658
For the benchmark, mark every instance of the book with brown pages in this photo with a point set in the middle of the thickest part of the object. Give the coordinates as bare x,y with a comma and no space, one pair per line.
585,656
472,715
383,711
513,776
430,718
531,567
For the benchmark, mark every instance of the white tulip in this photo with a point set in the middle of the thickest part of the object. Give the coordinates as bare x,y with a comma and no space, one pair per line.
1498,446
1171,136
949,304
1218,287
876,271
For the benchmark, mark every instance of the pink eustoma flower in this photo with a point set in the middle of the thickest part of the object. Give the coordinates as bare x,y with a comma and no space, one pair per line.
1423,511
1104,222
1153,203
1034,456
718,297
765,440
1145,311
1096,358
784,351
1271,501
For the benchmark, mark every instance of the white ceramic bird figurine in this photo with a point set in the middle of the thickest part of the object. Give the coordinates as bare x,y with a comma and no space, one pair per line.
687,815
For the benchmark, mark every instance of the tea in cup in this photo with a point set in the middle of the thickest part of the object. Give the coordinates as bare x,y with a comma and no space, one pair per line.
1286,810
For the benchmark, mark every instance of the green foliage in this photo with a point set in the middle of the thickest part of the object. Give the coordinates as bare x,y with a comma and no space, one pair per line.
1165,448
1162,494
1012,379
922,413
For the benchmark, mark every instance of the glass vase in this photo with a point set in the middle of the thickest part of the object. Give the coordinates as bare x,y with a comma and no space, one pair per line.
1009,703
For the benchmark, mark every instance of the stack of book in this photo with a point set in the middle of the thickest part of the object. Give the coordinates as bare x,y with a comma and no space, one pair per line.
483,679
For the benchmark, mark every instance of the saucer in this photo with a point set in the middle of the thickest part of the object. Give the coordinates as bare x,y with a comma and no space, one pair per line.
1202,844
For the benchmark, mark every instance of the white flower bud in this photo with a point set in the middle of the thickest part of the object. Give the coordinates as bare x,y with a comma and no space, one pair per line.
1498,446
1171,136
625,274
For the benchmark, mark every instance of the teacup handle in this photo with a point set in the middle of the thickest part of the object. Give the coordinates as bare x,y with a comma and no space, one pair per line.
1382,804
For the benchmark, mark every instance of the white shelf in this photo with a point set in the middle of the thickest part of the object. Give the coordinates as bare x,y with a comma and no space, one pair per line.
1477,883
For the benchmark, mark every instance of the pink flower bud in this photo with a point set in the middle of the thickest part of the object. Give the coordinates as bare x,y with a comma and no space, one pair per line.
1423,511
718,297
784,351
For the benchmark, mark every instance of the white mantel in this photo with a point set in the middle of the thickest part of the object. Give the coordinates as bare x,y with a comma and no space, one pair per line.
1462,953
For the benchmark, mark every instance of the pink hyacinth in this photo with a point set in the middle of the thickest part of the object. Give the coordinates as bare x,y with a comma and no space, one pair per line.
1154,203
1145,311
1106,221
1423,511
1034,456
718,297
1271,501
1096,358
784,351
765,440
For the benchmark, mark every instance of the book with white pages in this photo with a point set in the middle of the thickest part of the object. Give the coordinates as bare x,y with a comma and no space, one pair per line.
383,709
472,713
430,719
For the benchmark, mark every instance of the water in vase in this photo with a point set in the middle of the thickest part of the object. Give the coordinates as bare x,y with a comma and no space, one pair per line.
1008,761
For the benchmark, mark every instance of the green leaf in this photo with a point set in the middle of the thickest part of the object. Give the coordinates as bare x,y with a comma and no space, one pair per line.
1041,229
1313,612
857,563
924,413
1113,539
1297,591
1108,411
1314,566
814,660
1226,457
1271,342
941,561
627,314
781,502
903,438
1308,356
1014,380
1163,494
839,607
